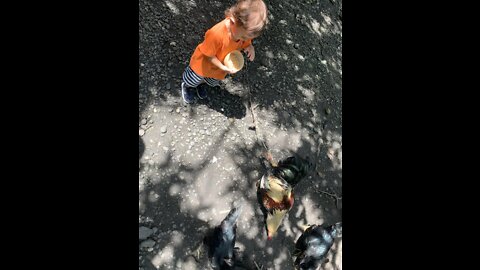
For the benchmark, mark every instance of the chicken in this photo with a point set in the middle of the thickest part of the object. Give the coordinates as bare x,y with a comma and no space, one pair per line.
313,245
221,242
293,169
276,198
275,188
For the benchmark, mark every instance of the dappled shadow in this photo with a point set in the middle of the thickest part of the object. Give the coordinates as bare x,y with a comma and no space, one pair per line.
183,224
162,200
310,206
231,106
294,85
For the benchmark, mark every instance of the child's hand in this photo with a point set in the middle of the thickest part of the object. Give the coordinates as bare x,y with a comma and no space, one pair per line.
229,70
250,51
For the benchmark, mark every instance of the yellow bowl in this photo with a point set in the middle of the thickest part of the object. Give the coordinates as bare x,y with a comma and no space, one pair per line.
234,60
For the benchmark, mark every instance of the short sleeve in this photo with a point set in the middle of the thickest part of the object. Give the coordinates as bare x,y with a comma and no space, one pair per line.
211,44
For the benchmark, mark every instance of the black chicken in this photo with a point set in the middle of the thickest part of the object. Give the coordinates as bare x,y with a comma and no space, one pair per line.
313,245
221,242
293,169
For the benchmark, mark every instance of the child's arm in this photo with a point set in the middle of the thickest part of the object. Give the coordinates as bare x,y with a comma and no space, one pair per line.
221,66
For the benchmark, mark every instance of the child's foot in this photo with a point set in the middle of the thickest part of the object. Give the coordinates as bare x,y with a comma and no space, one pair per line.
202,91
187,94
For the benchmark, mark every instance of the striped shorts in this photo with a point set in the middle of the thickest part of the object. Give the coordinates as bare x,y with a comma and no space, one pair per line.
191,79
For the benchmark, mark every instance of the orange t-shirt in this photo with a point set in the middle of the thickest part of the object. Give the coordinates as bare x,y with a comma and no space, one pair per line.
217,43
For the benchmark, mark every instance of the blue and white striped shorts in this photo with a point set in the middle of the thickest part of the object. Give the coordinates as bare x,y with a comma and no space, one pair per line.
191,79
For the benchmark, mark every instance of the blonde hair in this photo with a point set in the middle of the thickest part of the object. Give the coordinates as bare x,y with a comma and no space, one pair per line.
250,14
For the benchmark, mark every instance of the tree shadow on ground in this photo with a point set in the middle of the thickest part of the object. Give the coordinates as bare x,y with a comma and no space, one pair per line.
294,88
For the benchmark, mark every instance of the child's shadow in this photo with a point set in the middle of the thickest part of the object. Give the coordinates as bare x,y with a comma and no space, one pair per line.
225,103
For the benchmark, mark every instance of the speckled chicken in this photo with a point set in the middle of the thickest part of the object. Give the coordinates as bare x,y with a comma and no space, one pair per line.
313,245
221,242
275,188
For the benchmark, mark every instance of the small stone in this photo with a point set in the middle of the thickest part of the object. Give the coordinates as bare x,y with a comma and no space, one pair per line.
168,86
147,243
144,232
264,62
163,129
170,110
178,110
336,145
328,111
296,46
141,132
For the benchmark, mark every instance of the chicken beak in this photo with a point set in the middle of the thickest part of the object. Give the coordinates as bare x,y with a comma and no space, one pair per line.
304,227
